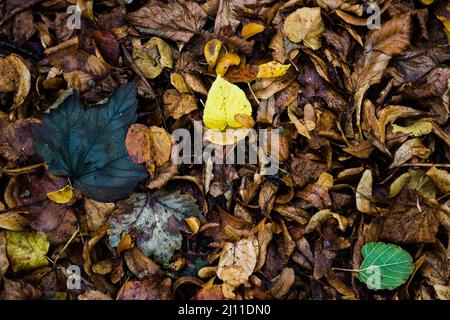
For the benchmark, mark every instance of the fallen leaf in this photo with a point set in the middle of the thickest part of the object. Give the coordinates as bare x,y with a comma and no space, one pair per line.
99,156
305,24
225,100
178,20
250,29
211,51
26,250
272,69
236,264
226,61
179,104
154,222
152,57
385,266
411,148
147,289
441,179
61,196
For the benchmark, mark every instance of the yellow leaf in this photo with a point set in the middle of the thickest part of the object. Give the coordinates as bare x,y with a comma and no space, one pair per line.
177,80
193,223
446,23
427,2
272,69
211,51
325,180
441,179
226,61
152,57
225,100
250,29
416,130
398,184
61,196
305,25
26,250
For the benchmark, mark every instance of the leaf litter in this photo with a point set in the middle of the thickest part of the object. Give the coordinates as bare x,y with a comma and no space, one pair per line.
358,207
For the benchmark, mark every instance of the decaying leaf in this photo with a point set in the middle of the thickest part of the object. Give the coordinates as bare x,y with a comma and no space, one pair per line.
152,57
236,264
100,167
305,25
151,146
154,221
178,20
26,250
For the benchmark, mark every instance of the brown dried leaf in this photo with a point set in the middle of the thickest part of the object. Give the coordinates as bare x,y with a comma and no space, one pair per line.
177,20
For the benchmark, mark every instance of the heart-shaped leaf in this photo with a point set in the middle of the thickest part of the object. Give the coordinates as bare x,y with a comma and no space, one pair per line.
385,266
88,145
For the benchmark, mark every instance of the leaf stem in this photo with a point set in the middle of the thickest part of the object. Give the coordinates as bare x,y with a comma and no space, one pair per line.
347,270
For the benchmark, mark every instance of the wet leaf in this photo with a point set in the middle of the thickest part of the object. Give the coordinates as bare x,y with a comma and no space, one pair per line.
26,250
100,167
385,266
154,222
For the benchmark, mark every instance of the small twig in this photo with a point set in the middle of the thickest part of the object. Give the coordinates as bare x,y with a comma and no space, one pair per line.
347,270
251,90
134,67
65,246
427,165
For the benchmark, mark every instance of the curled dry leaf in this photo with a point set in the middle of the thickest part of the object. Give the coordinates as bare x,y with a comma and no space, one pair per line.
411,148
152,57
179,104
364,194
237,262
305,24
151,146
17,78
211,51
177,20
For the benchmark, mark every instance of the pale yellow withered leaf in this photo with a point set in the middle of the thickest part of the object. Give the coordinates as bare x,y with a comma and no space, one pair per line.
225,100
26,250
305,24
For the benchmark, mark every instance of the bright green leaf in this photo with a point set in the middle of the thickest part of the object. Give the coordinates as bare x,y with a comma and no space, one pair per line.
385,266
